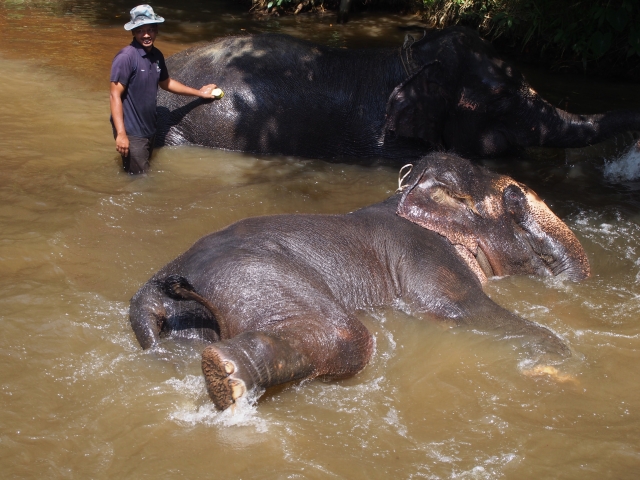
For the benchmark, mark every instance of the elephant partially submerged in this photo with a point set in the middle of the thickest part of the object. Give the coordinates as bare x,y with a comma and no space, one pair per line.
446,91
277,295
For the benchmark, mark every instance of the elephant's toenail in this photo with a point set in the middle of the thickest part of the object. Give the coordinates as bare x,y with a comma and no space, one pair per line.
238,389
229,367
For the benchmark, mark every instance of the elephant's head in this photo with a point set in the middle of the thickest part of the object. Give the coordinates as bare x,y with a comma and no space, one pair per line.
458,94
497,225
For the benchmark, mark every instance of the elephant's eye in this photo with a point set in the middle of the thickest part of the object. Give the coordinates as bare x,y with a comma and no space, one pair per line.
515,202
458,201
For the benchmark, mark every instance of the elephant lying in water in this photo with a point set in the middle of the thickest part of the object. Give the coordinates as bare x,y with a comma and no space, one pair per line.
277,295
447,91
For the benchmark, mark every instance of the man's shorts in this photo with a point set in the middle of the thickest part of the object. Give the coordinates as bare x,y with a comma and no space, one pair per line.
140,150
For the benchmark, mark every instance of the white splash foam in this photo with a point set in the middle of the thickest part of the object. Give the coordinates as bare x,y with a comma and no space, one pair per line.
392,418
580,333
197,409
624,168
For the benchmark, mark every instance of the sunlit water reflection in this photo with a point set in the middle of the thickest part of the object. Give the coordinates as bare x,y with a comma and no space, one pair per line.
81,399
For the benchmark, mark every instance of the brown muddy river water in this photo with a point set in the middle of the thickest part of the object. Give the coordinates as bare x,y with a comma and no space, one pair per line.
80,399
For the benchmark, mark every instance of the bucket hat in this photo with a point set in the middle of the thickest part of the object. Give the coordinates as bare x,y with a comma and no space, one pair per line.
142,15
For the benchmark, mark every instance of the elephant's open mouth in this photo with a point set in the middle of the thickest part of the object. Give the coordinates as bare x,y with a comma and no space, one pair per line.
477,262
564,268
483,262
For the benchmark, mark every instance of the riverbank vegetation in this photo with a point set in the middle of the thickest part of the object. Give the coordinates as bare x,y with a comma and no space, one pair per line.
594,36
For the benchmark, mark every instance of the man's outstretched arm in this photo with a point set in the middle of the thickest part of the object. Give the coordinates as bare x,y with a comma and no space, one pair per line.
174,86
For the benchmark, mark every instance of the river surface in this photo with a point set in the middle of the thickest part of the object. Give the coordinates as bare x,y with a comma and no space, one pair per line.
80,399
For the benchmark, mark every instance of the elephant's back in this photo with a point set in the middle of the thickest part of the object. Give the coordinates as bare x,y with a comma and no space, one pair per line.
369,239
285,261
248,53
365,259
282,96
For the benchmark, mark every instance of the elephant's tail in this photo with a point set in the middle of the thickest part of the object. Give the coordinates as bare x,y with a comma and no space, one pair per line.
178,288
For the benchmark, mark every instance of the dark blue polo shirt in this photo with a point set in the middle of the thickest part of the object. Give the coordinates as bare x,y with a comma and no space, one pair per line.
140,72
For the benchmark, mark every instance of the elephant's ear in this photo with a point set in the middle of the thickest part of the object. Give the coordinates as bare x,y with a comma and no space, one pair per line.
406,53
439,203
417,106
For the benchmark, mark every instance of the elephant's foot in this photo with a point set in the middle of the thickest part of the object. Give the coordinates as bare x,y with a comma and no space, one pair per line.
223,377
552,373
251,360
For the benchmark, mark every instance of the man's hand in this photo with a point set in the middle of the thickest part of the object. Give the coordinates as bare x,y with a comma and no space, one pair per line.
205,92
174,86
122,144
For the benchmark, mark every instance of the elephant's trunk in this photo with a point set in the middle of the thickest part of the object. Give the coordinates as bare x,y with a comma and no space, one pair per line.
571,262
554,242
557,128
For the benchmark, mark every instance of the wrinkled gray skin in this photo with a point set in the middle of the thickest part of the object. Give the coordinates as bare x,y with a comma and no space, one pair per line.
277,295
447,91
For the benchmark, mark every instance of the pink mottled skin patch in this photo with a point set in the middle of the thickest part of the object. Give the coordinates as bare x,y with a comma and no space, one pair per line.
467,104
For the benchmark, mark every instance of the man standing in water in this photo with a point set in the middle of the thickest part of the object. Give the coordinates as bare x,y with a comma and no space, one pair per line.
136,72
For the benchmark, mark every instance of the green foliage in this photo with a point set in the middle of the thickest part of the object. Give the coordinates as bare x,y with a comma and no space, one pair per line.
277,7
278,3
270,7
585,29
577,32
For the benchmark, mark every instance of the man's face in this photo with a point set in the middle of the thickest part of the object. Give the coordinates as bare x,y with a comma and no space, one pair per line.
146,35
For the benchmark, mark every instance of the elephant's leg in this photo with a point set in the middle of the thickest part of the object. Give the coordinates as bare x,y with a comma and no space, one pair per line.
485,314
147,314
251,360
154,314
294,350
